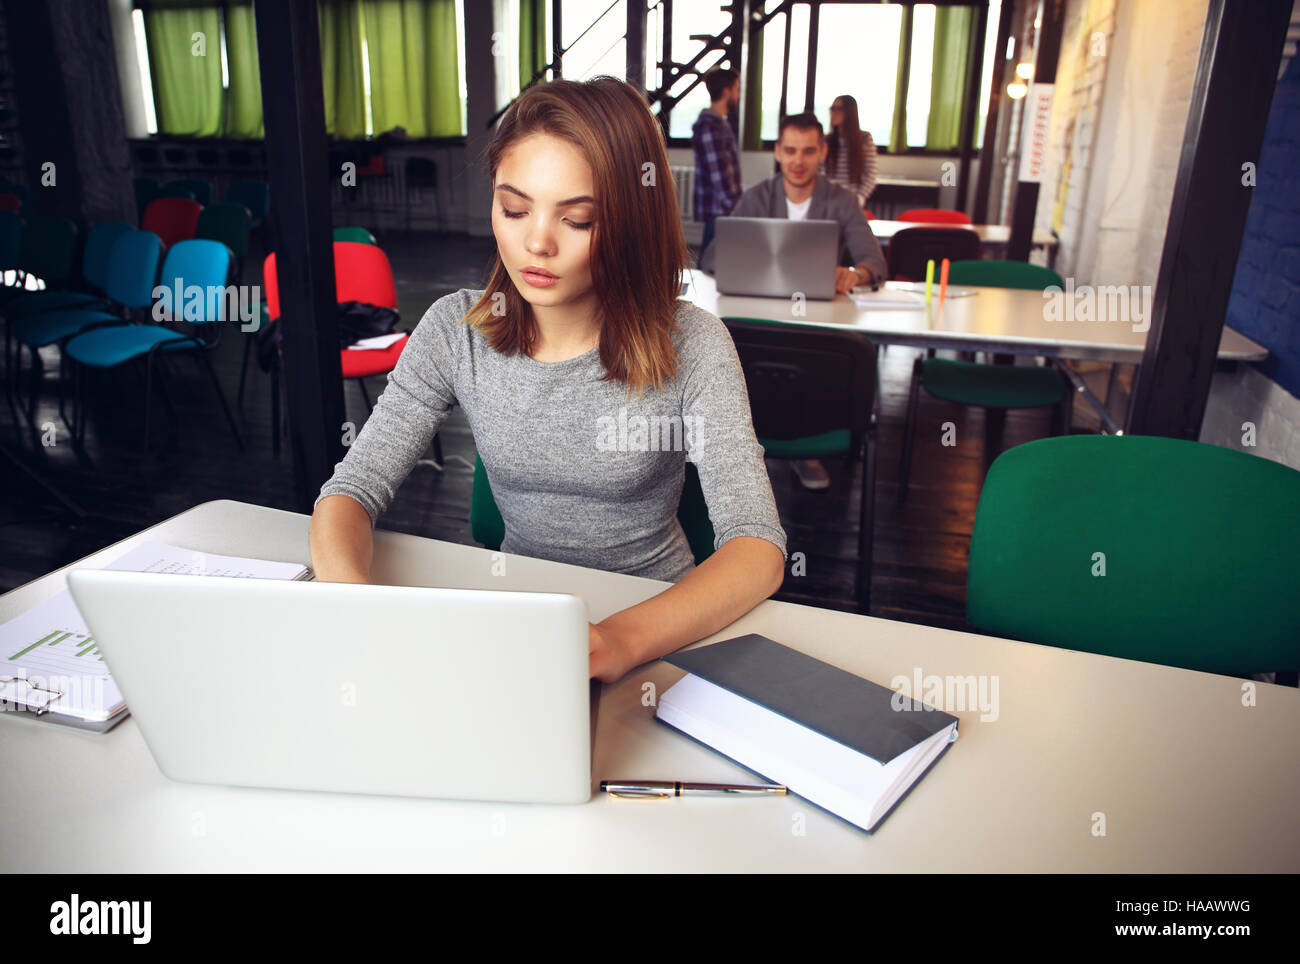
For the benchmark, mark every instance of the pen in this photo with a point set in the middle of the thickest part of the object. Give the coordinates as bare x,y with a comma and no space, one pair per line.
943,280
662,789
929,280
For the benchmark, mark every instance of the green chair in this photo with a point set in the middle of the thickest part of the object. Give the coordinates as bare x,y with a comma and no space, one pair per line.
1003,274
228,222
995,388
1154,549
355,235
488,528
47,250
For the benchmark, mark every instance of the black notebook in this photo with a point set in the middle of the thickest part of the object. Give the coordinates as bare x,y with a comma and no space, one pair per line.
842,742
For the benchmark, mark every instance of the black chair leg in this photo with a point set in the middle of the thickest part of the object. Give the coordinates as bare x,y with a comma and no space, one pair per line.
361,383
866,526
909,431
995,420
221,397
437,450
243,373
275,412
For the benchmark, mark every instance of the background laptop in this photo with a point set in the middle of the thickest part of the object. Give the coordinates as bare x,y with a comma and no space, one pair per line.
775,257
454,693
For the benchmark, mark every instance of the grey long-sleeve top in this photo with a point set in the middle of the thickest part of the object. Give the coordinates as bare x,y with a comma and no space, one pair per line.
830,202
580,473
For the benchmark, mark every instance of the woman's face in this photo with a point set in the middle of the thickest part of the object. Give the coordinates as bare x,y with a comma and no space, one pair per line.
542,214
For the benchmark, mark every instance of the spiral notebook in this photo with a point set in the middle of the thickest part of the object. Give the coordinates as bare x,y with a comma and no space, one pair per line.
50,666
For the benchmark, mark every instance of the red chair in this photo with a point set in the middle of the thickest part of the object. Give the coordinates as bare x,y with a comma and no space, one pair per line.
361,273
934,216
172,219
11,202
870,216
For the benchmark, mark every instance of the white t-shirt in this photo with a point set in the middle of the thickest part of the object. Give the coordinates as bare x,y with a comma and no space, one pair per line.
797,212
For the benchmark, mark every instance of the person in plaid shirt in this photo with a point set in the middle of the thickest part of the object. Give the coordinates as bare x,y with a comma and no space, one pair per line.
717,156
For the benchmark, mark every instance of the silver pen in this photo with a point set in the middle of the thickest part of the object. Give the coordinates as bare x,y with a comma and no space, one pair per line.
663,789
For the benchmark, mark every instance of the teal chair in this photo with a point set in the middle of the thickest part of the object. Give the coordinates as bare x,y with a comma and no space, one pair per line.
488,529
193,263
355,235
192,187
995,388
130,275
1199,546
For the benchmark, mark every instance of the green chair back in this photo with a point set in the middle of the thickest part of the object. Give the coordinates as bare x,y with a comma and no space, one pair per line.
355,235
1003,274
1154,549
488,528
227,222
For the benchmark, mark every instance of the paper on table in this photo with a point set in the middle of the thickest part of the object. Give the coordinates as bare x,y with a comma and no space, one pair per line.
48,656
379,341
887,299
919,286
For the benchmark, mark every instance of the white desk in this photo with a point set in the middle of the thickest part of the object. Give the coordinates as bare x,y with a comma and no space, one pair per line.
1188,778
1003,320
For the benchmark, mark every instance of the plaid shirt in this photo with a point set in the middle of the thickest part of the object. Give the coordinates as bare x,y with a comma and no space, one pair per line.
717,166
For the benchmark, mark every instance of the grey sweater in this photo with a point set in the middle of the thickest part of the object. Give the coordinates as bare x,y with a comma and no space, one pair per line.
580,473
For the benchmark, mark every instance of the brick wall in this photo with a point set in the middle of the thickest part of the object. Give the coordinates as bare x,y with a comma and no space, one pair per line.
1265,302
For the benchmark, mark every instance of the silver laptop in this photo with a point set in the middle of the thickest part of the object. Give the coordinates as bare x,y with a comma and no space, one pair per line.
452,693
775,257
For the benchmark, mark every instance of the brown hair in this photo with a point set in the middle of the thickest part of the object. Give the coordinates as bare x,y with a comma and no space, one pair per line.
849,136
638,251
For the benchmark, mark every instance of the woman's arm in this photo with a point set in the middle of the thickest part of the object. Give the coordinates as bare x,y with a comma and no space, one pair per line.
341,544
731,582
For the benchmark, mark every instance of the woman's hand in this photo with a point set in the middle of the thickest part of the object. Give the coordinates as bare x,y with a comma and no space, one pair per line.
609,658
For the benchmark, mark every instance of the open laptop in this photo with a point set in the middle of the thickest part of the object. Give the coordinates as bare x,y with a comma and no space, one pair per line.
775,257
452,693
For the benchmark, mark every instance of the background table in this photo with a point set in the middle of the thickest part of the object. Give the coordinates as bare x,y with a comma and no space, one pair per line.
1187,777
1002,320
991,235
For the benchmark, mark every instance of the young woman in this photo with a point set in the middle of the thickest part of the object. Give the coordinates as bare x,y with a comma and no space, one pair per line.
576,347
851,153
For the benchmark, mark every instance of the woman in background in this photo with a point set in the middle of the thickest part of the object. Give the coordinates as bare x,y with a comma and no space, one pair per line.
851,154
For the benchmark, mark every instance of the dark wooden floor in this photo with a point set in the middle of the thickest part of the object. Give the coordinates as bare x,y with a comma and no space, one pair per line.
920,552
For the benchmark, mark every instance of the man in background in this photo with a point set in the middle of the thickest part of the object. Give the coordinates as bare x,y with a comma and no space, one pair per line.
800,193
717,155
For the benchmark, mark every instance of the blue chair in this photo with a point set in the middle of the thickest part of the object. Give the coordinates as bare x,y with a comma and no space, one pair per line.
200,264
131,272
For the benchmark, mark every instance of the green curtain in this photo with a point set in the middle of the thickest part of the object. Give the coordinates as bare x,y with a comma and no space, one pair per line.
953,47
414,78
186,70
533,52
341,69
244,99
898,136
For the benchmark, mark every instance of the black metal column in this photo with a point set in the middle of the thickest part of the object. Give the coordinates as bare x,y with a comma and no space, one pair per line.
1045,57
293,104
